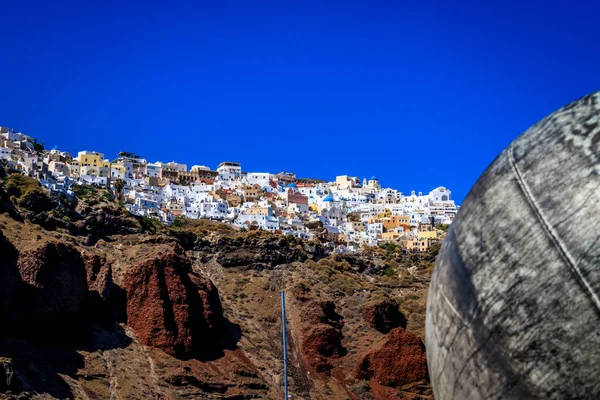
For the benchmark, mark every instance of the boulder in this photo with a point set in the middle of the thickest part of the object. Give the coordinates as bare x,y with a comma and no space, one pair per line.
513,307
399,361
384,315
321,344
10,281
171,309
322,335
56,292
322,312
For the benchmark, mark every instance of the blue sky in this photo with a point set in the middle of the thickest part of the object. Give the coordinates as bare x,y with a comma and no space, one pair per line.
419,93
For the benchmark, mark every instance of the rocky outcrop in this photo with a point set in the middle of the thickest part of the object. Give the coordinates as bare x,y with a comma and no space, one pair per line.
399,361
384,315
104,220
36,201
94,217
360,264
6,206
322,312
171,309
322,343
322,336
186,239
260,251
56,291
212,310
10,282
107,300
99,275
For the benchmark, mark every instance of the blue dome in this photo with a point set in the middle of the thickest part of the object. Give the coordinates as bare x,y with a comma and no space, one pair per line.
292,185
373,178
55,148
328,199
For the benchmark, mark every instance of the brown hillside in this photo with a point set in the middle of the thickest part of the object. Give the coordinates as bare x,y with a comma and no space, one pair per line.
97,304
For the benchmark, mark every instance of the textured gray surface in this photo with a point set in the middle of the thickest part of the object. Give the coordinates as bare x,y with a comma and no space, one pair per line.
513,310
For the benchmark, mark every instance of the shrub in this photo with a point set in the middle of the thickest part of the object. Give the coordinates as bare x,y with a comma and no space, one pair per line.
179,222
36,200
391,249
106,197
148,224
442,227
434,250
389,271
19,185
84,191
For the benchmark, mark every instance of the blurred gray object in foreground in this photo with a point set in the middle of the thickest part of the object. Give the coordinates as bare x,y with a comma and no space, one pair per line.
513,310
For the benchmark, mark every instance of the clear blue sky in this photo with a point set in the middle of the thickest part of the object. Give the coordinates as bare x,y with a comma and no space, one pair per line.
419,93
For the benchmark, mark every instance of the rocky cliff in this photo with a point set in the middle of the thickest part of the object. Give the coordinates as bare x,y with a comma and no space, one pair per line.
96,304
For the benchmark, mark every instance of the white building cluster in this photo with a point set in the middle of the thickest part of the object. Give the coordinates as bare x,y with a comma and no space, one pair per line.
345,212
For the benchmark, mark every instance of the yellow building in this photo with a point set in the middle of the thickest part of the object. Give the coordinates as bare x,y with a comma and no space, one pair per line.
174,205
415,244
347,181
252,192
385,214
428,231
391,236
428,235
90,159
257,211
401,219
393,222
90,163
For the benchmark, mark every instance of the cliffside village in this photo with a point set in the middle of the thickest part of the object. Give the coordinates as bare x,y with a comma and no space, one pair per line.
346,212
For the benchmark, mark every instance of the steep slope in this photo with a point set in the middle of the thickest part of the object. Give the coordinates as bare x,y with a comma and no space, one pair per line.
101,305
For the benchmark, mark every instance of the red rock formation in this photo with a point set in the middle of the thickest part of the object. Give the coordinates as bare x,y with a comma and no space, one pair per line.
384,316
321,344
99,275
322,336
400,360
212,310
107,300
169,309
301,292
56,290
322,312
57,273
10,280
